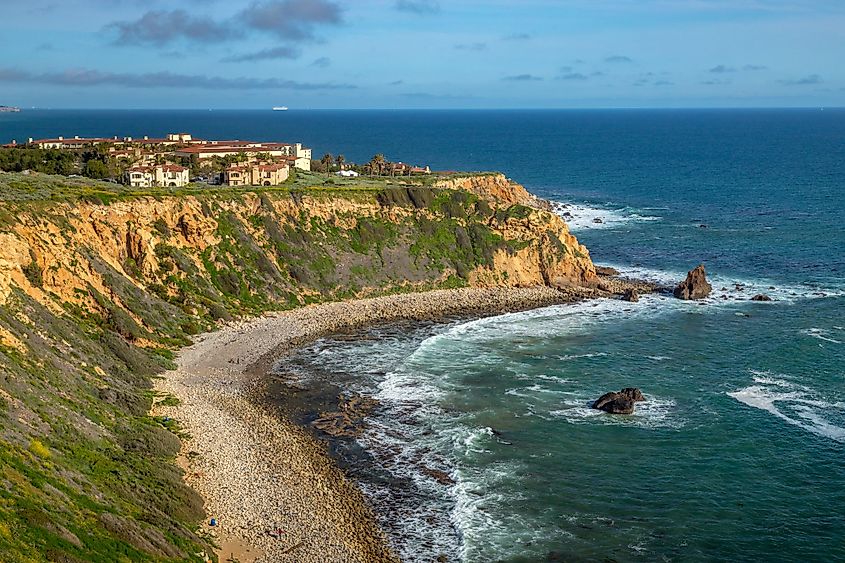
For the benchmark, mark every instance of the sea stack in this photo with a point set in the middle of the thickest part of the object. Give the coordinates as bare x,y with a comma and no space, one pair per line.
695,286
619,403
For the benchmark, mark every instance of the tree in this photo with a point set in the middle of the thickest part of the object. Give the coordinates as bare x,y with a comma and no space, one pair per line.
376,164
97,169
340,159
327,161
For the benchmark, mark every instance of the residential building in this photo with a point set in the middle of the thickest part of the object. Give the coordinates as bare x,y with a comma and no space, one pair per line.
237,176
270,174
166,175
172,175
141,176
256,175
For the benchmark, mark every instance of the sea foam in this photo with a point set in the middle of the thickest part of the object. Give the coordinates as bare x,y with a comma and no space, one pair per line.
795,404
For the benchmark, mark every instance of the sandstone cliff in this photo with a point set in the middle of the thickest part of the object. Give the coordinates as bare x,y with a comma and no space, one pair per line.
258,251
97,290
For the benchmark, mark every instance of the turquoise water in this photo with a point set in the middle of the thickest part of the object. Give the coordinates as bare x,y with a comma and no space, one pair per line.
738,452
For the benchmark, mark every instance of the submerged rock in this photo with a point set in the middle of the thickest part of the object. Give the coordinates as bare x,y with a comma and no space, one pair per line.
695,286
619,403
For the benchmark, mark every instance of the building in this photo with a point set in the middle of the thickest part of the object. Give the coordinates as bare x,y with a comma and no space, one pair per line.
296,155
76,142
140,176
256,175
172,175
347,173
166,175
270,174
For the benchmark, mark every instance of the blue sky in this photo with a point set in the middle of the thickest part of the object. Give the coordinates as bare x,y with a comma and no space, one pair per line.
422,53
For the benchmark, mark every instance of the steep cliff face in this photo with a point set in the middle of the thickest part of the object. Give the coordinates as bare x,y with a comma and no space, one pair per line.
257,251
95,295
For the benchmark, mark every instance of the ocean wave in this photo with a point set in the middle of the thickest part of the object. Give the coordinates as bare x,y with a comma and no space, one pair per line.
821,334
581,217
795,404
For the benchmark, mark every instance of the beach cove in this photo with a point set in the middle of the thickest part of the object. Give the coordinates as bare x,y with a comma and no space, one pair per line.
293,484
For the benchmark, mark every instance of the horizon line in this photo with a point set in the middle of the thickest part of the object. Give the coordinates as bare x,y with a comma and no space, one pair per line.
574,108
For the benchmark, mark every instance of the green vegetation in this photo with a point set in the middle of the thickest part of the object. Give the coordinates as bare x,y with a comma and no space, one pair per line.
94,162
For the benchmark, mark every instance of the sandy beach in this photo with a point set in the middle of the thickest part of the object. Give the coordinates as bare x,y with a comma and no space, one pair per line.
274,492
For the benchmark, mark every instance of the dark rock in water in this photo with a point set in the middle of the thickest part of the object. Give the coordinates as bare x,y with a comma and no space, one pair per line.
632,393
606,271
348,422
702,226
695,286
631,295
614,403
598,220
440,476
761,297
619,403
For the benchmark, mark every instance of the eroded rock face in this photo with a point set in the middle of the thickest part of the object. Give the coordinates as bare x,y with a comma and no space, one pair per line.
695,286
619,403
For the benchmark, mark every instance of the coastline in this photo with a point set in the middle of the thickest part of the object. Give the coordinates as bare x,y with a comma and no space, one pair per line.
274,489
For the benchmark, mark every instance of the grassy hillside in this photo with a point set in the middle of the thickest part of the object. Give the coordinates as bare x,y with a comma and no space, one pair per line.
100,284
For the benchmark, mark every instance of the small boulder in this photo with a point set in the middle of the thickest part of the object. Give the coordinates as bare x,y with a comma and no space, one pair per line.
761,297
631,295
606,271
619,403
598,220
695,286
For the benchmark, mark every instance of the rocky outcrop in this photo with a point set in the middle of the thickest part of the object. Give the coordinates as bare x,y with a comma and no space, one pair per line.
606,271
495,187
619,403
631,295
761,297
349,420
695,286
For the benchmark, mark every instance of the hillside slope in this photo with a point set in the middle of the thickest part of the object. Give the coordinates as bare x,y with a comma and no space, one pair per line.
97,291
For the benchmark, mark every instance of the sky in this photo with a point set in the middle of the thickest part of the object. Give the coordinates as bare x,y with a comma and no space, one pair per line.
392,54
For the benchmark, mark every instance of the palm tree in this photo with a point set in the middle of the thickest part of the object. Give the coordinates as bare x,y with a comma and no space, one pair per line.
376,165
340,159
326,161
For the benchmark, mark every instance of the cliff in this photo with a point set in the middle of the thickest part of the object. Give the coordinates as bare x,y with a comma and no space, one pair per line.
98,288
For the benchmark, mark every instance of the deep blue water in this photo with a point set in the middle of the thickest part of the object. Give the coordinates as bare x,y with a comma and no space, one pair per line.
738,453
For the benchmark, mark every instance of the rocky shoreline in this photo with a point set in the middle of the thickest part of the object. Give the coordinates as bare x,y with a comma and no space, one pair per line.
273,489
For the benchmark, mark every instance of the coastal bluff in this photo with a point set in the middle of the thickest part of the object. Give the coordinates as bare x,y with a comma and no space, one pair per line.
99,286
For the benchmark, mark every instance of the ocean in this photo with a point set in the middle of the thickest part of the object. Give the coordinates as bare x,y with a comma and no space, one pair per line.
738,452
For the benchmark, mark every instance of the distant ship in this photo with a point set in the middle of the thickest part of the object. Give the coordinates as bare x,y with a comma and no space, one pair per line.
280,108
11,109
